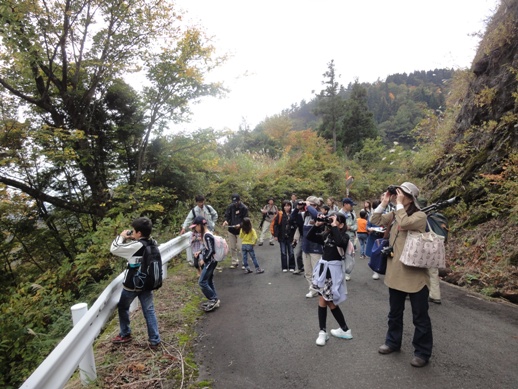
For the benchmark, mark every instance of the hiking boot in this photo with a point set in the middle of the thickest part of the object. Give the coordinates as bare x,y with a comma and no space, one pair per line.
258,270
121,339
339,333
323,337
213,304
247,270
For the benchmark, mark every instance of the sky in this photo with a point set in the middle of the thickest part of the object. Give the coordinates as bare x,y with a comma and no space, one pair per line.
279,50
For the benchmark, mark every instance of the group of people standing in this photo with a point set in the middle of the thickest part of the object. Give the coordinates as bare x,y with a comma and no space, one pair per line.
312,237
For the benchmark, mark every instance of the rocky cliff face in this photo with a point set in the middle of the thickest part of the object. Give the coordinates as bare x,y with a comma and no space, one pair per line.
480,162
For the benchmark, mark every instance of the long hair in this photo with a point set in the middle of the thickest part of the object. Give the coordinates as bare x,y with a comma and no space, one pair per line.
412,208
246,225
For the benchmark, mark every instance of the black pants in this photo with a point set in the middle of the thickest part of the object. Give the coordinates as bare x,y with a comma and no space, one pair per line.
423,339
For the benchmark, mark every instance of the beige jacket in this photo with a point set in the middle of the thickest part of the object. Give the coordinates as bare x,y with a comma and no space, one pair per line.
398,276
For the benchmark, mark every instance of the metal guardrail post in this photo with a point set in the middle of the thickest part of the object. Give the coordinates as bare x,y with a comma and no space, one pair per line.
87,370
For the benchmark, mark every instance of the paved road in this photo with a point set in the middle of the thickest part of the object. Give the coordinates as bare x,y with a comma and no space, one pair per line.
263,336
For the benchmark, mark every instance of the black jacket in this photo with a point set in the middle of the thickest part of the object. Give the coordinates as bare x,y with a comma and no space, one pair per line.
234,214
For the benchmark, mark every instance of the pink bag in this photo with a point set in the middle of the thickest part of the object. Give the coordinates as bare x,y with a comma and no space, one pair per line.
424,249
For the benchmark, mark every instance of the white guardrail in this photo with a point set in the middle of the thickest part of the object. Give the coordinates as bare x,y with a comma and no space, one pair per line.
76,349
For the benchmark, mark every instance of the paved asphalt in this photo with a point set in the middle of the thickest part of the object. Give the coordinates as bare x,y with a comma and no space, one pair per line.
263,336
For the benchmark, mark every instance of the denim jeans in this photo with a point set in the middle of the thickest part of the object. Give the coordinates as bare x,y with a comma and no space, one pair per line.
298,255
148,309
206,280
423,339
249,249
287,255
363,242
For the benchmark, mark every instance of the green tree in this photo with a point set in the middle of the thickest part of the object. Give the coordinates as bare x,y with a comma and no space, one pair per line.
357,124
330,106
60,59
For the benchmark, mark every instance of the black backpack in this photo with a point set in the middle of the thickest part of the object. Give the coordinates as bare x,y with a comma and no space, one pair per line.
149,275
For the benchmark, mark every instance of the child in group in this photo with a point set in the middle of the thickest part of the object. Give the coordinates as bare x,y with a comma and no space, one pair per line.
248,237
362,232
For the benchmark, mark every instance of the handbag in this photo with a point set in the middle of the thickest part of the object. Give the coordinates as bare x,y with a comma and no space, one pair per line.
378,260
348,256
424,249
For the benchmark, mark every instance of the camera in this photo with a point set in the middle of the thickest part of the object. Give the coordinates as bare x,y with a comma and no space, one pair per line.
271,213
324,219
129,233
392,189
388,251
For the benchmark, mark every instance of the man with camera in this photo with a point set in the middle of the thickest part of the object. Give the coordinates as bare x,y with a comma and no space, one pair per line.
351,222
269,211
312,251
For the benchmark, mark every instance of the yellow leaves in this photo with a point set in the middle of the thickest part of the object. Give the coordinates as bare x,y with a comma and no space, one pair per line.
485,97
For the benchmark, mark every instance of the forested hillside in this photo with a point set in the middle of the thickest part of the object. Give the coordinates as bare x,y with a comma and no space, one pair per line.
82,153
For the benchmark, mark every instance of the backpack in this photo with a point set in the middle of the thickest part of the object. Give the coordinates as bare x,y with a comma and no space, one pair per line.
149,275
277,220
439,224
220,247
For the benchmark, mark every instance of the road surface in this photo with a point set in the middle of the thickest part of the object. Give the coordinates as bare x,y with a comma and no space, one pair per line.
263,336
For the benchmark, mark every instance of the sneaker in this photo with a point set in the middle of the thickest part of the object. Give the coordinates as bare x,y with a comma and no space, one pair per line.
260,243
219,267
243,267
247,271
339,333
323,337
296,272
213,304
272,244
121,339
375,276
234,266
284,270
311,294
258,270
154,346
292,270
347,277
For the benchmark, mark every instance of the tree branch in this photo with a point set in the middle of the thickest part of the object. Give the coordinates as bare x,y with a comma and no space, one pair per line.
39,195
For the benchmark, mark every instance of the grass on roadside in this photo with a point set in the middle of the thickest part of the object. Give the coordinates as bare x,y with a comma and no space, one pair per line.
135,365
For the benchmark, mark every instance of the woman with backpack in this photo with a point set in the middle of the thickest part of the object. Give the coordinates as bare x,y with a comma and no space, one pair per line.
403,280
207,263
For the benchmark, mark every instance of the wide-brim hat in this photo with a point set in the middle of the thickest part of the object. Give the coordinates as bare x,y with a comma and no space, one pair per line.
412,190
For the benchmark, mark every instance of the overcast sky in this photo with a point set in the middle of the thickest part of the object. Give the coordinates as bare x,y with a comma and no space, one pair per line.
280,49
